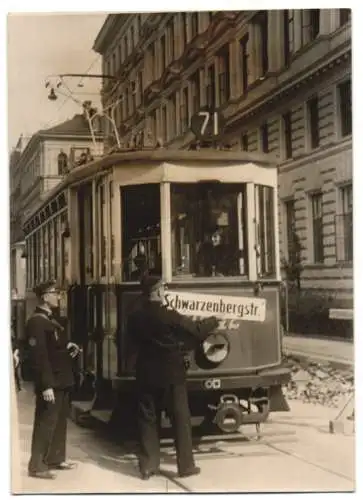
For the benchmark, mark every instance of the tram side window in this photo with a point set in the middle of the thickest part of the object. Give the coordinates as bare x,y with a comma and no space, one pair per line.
265,231
140,230
209,229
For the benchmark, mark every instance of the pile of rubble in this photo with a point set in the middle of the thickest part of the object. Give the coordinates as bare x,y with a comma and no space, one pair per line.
318,383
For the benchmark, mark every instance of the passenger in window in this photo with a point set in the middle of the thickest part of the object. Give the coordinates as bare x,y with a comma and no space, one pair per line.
140,262
216,258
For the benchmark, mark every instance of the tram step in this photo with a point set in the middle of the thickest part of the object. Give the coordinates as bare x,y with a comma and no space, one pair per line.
103,416
79,409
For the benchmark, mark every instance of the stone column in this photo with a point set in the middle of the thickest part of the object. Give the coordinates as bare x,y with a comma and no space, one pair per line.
254,54
326,21
275,40
297,42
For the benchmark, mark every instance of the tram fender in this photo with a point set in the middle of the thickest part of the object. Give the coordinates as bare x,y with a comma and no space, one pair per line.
277,399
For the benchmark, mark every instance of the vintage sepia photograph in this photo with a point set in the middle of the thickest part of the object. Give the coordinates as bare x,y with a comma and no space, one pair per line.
181,251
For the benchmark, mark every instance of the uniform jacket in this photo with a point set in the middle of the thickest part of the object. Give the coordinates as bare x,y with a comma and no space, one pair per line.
50,359
162,336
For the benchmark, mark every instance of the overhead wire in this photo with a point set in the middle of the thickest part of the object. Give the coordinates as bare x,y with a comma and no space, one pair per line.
72,92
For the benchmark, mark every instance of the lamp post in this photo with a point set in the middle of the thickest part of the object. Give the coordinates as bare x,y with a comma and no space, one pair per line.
90,112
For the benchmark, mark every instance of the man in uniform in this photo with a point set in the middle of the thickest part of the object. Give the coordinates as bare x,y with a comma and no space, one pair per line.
51,359
161,335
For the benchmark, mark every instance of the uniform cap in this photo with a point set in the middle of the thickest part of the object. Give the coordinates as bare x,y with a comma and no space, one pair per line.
43,288
150,283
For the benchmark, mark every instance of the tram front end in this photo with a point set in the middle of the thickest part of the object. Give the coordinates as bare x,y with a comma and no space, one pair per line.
210,229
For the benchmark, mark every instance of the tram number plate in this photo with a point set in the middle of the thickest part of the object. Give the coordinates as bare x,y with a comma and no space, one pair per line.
212,383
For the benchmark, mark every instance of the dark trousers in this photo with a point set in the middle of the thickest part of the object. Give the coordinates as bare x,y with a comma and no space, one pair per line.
17,378
49,431
151,402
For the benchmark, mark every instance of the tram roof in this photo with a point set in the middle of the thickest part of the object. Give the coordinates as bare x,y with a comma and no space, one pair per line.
152,156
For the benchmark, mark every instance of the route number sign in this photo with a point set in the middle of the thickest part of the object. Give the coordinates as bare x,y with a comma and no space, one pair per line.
207,124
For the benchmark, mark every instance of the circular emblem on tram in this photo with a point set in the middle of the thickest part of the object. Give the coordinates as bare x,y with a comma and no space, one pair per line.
216,348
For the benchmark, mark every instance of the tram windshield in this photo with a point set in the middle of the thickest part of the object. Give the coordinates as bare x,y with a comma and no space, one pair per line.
209,229
209,234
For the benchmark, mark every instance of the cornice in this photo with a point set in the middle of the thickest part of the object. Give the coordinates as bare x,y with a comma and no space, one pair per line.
235,112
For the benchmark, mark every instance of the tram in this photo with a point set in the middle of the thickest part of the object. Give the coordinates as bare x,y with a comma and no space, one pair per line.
207,222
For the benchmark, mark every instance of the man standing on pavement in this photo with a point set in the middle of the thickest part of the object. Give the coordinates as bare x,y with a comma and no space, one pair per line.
51,359
160,335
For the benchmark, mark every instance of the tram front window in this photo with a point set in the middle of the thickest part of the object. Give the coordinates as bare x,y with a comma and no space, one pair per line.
141,246
209,229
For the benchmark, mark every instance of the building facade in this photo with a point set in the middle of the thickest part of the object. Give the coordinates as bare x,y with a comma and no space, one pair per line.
281,80
37,167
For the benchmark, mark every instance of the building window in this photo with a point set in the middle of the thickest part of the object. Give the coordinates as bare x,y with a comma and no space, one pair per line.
184,110
310,24
288,35
163,55
344,224
194,24
153,124
164,123
195,84
140,88
244,142
345,16
345,107
313,122
244,62
62,163
317,223
132,38
119,56
286,120
133,96
261,22
114,67
223,76
184,29
210,90
172,117
290,229
126,102
171,36
126,47
264,137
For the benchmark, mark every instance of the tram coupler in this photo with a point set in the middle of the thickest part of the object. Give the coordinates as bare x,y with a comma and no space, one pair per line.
230,414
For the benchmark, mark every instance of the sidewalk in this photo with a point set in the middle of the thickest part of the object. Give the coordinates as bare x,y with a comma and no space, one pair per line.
320,349
101,467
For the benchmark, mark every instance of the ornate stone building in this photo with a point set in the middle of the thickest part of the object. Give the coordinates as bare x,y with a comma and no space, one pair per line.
37,164
282,81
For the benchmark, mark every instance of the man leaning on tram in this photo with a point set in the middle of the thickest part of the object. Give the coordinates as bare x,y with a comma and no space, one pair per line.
160,335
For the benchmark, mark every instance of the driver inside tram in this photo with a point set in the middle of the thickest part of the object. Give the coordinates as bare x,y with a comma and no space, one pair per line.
215,257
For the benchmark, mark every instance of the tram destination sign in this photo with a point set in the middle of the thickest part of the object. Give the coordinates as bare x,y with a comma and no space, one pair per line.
207,124
221,306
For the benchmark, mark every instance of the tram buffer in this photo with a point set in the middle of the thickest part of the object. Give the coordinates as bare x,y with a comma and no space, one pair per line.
161,336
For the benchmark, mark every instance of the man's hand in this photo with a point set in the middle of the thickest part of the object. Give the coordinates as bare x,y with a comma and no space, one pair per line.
16,357
48,395
211,322
73,349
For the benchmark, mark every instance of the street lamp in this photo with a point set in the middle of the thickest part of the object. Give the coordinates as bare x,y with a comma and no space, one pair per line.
91,113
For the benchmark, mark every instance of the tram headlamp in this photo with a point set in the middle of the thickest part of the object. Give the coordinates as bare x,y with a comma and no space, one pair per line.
216,348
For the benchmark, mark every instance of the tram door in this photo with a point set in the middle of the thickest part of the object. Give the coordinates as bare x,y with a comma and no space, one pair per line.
89,296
